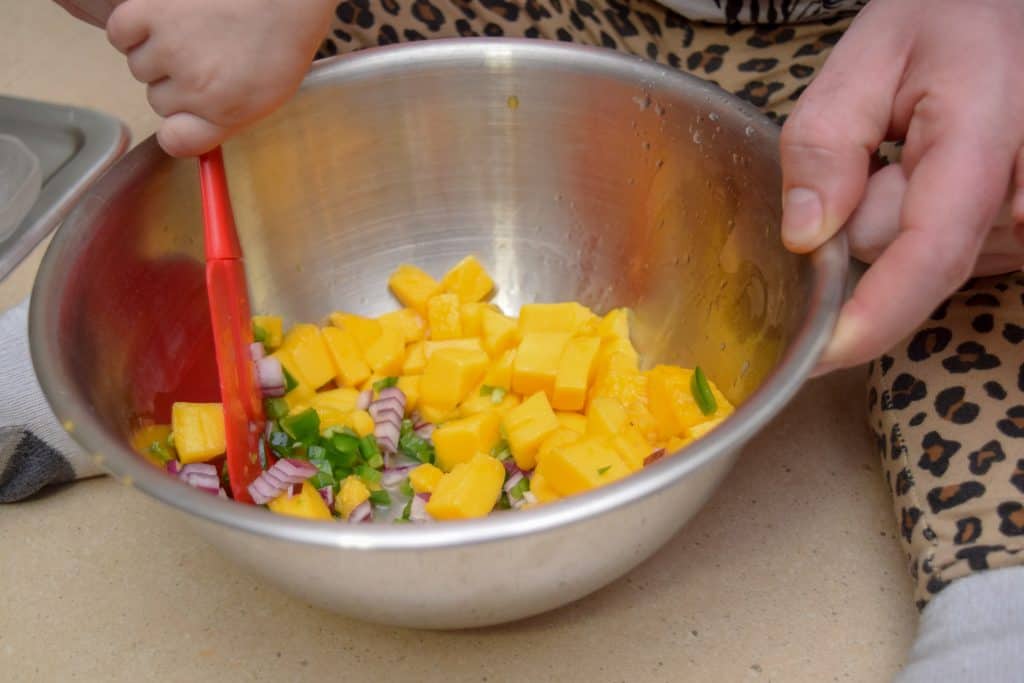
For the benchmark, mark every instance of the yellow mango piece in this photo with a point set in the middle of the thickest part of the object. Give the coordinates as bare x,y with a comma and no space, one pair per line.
541,489
287,360
444,318
431,347
459,440
614,325
573,421
386,354
605,417
702,428
672,403
415,358
341,400
631,447
582,466
308,504
349,365
470,315
436,416
410,386
562,317
198,431
143,438
424,478
623,382
470,490
272,326
526,426
330,417
364,330
477,402
560,438
360,422
500,372
299,397
536,362
499,332
449,376
616,355
468,280
406,322
575,371
413,287
352,493
309,354
677,443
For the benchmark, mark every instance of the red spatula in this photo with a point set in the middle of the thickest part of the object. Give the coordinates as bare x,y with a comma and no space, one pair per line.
232,329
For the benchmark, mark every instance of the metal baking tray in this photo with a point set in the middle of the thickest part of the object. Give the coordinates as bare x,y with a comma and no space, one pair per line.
75,146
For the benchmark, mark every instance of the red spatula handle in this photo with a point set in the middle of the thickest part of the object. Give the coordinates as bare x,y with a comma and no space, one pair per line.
221,236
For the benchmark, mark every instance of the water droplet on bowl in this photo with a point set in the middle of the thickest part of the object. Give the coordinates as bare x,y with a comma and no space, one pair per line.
748,131
697,137
713,116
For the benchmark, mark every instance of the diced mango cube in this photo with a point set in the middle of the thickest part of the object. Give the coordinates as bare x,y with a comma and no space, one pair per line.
470,315
616,355
605,417
500,372
352,494
470,490
449,376
443,317
310,355
387,353
573,421
308,504
432,347
700,429
459,440
350,366
536,362
579,467
672,403
677,443
198,431
567,317
424,478
410,386
478,402
298,397
614,325
575,371
468,280
499,331
273,328
329,417
541,489
436,416
526,426
560,438
360,421
342,400
631,447
364,330
415,358
407,322
413,287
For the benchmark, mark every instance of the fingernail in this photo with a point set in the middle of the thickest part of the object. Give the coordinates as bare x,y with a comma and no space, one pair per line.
801,218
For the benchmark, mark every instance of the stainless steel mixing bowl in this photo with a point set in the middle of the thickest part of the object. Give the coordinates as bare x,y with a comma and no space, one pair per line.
573,173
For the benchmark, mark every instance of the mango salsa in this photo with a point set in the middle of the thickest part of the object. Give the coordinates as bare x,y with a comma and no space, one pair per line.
480,408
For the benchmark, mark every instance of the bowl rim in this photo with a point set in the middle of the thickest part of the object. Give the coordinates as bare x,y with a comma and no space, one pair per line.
828,263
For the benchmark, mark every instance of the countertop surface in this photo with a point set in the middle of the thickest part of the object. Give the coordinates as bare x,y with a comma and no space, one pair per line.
791,573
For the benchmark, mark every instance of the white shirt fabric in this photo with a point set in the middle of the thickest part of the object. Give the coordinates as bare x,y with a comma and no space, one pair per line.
763,11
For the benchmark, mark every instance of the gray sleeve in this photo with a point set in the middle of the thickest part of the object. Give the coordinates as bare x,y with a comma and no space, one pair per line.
972,631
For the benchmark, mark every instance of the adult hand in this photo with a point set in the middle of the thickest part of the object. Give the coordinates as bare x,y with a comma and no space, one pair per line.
946,77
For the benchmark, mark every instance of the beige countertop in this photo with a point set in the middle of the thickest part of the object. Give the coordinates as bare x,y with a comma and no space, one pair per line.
791,573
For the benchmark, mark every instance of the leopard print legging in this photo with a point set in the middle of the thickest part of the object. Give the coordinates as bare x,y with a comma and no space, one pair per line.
947,404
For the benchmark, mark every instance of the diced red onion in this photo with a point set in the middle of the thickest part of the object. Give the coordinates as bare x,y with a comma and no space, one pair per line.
399,461
511,467
418,510
327,493
275,481
425,431
270,375
512,481
387,412
425,497
364,399
173,466
529,497
654,457
361,513
256,350
200,475
392,477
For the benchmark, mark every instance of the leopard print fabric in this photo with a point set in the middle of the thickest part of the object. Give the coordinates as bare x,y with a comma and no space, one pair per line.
947,409
766,65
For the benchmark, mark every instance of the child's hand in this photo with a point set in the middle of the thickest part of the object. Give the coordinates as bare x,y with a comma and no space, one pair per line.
946,76
214,66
